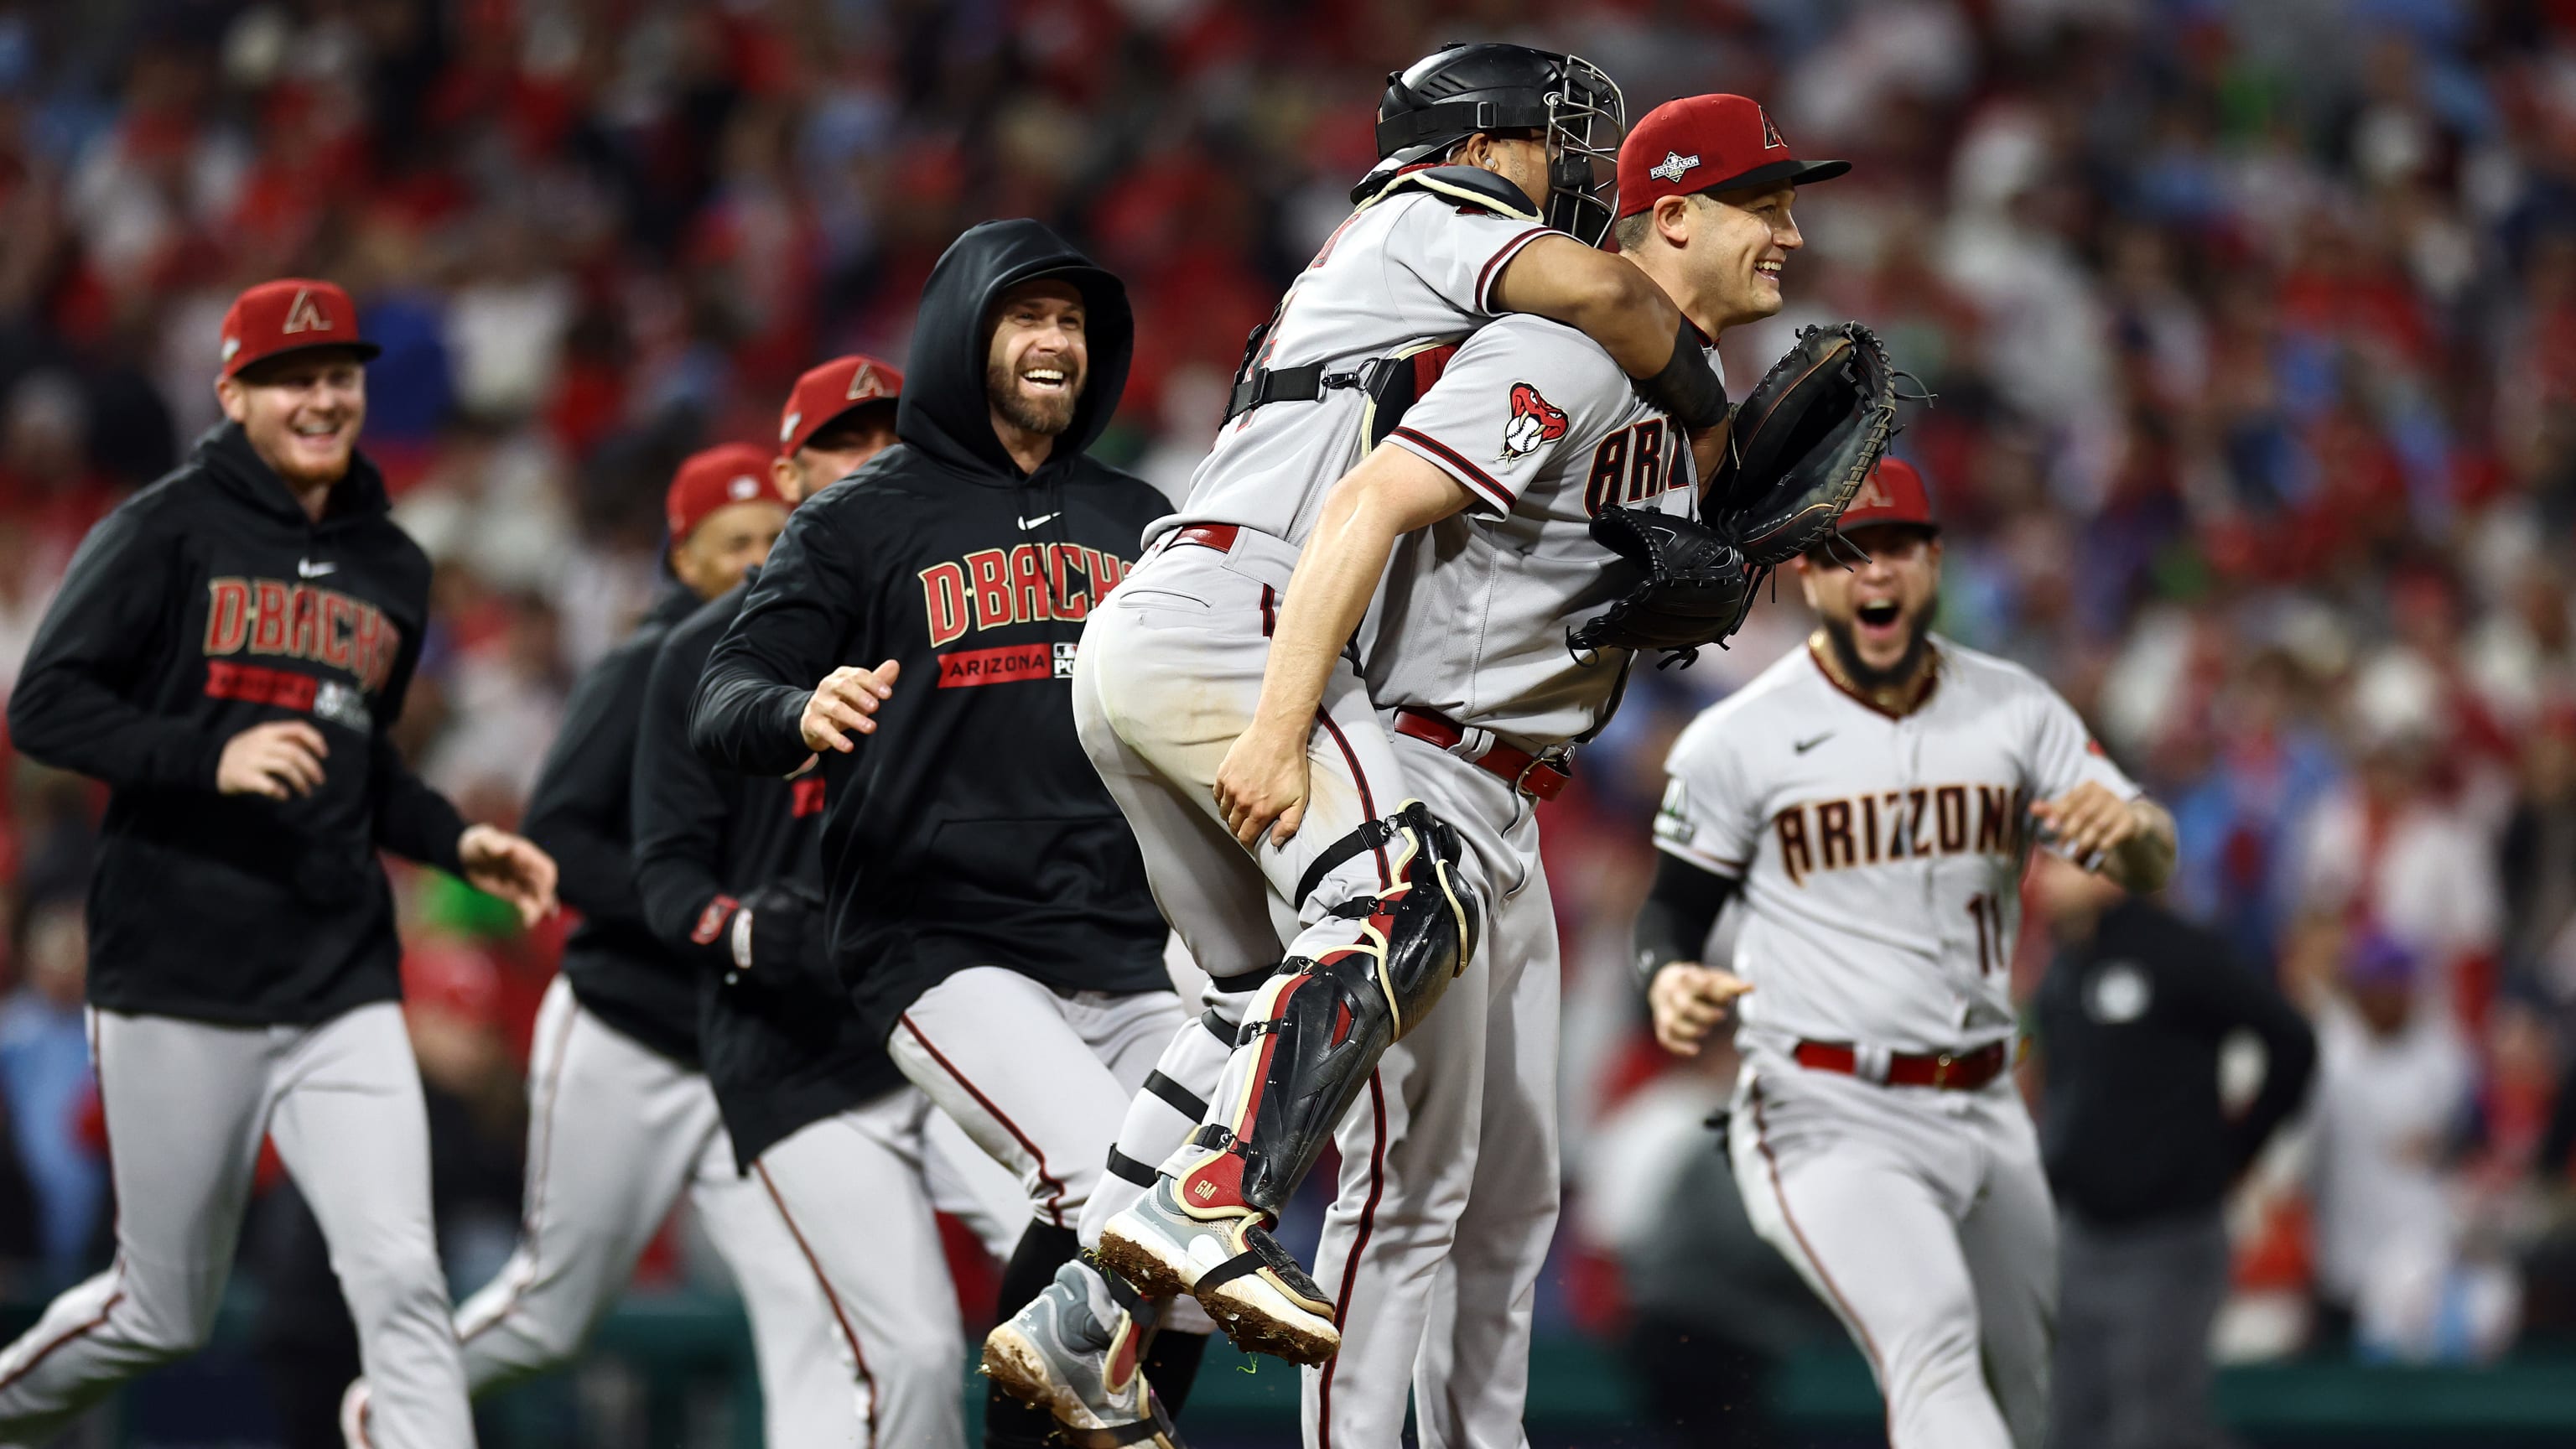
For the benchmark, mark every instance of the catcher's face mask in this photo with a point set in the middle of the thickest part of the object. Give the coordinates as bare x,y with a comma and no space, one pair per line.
1586,117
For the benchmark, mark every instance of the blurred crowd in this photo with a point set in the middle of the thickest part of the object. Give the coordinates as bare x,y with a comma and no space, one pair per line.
2252,328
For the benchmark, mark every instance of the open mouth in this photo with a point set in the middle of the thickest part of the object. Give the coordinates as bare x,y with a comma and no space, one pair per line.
1768,271
316,430
1878,617
1044,379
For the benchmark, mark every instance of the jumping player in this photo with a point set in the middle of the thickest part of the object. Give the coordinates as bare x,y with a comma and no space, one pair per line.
1491,480
1481,146
1873,798
228,653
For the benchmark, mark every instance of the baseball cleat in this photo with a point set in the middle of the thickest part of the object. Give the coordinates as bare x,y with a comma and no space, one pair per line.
1058,1354
1249,1284
353,1415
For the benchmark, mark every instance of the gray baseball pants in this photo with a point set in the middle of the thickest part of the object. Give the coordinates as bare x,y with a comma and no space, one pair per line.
187,1104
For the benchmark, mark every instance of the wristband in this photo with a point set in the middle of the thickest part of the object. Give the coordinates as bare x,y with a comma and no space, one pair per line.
742,939
1687,388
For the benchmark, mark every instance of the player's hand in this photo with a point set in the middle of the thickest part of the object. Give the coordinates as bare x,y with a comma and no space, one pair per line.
2087,823
511,867
281,760
843,703
1688,1001
1261,785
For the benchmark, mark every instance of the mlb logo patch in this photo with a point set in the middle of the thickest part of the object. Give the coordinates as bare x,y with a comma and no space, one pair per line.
1064,660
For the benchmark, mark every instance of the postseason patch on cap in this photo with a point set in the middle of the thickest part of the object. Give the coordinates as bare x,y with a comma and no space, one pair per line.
1674,166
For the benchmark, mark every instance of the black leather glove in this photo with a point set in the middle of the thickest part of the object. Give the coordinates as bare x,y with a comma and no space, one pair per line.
776,935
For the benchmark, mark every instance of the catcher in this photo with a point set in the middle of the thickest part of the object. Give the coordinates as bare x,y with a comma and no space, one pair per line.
1504,633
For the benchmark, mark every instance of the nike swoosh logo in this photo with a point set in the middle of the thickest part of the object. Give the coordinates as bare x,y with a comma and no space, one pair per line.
306,568
1803,746
1028,523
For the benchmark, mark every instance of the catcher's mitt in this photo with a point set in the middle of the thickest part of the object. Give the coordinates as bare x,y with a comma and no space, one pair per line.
1695,588
1803,440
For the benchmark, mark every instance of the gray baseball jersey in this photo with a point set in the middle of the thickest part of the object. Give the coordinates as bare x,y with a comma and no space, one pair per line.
1409,268
1881,856
1544,431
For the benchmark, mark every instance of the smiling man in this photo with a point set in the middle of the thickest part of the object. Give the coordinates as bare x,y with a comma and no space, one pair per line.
227,654
1873,797
915,627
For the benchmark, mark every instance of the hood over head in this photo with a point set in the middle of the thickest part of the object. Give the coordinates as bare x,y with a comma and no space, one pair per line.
943,412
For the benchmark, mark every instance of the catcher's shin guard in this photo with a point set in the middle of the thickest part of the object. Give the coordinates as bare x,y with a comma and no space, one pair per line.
1317,1029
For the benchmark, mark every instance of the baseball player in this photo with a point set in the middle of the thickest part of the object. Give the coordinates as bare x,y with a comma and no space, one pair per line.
227,653
621,1116
1481,145
1873,798
985,904
1491,482
828,1132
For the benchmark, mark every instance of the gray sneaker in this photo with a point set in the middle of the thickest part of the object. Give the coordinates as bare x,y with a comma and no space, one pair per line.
1058,1354
1249,1284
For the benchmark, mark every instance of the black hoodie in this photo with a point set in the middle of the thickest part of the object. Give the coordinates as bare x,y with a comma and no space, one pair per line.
206,604
973,830
781,1045
582,813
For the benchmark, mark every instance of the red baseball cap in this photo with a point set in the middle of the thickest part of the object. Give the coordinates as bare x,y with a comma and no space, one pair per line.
719,477
824,393
290,314
1894,492
1708,143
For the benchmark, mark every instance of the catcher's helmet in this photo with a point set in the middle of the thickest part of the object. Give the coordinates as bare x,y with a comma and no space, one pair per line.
1461,89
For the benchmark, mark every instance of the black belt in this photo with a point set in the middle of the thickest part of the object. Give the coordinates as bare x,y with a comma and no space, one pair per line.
1303,383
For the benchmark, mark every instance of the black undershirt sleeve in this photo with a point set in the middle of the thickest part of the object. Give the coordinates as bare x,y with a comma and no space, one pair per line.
1680,910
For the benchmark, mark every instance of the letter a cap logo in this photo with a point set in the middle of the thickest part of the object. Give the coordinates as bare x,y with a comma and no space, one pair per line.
304,315
288,315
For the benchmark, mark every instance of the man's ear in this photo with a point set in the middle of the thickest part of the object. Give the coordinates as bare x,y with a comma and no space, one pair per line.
229,393
789,477
1673,220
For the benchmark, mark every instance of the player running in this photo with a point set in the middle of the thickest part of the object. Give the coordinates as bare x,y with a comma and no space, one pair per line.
820,1123
1873,798
619,1117
228,652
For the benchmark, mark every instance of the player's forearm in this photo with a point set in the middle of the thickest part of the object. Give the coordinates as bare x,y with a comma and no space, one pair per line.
1390,494
1609,300
1680,909
1599,293
413,820
746,722
1326,599
2145,860
60,718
